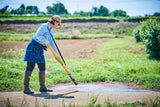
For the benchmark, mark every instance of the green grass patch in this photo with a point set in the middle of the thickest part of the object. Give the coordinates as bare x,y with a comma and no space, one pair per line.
5,36
123,63
39,19
93,36
117,60
8,37
23,18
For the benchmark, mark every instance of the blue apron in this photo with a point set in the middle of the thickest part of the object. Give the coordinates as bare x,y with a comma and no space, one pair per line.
35,52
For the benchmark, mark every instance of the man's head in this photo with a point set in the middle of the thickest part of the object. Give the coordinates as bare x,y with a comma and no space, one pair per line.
55,21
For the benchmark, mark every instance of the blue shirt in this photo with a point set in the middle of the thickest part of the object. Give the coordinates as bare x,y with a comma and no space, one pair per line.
45,30
34,50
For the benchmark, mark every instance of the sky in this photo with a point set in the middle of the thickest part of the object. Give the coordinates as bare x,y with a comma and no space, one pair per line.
132,7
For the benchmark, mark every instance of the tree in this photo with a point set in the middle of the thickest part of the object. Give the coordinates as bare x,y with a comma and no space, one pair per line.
117,13
21,9
156,14
32,10
28,10
58,8
42,13
13,11
4,9
35,10
103,11
95,11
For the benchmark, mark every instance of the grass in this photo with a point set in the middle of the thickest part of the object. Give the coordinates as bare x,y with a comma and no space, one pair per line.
14,32
7,37
107,103
123,63
93,103
24,18
117,60
45,18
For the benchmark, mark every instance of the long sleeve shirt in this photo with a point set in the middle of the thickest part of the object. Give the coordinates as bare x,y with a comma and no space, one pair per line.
34,50
47,33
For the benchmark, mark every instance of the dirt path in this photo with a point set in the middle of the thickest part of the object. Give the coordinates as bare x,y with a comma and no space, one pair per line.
80,95
67,93
69,48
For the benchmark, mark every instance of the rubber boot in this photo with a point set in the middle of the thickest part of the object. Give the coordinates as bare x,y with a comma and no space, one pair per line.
26,83
42,82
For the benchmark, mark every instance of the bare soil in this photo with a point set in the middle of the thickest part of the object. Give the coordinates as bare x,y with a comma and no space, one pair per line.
81,48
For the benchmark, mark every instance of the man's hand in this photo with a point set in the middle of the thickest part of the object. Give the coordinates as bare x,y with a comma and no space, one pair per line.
48,45
58,59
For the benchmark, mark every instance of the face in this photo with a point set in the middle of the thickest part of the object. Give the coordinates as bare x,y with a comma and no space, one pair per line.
56,24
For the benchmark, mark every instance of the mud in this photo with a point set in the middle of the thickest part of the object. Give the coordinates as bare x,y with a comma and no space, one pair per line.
102,87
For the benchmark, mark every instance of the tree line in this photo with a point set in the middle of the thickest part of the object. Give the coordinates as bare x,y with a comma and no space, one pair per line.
60,9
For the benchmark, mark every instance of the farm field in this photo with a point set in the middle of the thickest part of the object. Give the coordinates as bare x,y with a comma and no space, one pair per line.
115,57
24,32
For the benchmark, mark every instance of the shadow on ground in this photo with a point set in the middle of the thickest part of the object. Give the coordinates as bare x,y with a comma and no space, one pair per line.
47,95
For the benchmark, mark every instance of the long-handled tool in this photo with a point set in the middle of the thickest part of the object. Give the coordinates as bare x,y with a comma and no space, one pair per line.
63,65
72,78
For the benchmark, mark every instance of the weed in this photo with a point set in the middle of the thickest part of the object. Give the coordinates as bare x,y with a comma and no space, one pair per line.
75,33
13,54
93,103
8,103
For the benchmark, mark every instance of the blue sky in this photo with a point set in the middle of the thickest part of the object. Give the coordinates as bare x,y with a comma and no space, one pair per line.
132,7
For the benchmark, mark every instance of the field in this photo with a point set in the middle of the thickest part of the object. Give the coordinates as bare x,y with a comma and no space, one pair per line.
24,32
94,52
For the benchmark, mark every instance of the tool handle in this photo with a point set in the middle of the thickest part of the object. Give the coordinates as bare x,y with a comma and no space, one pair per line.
72,78
70,75
57,47
57,57
59,51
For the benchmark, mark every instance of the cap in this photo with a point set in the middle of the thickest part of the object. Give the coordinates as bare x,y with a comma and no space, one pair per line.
56,18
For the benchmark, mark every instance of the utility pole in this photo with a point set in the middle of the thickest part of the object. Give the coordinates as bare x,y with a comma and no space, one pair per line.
57,1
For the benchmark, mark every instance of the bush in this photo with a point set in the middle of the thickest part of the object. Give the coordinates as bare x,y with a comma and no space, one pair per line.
137,36
149,33
139,18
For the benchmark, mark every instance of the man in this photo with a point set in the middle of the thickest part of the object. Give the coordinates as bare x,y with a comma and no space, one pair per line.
35,52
